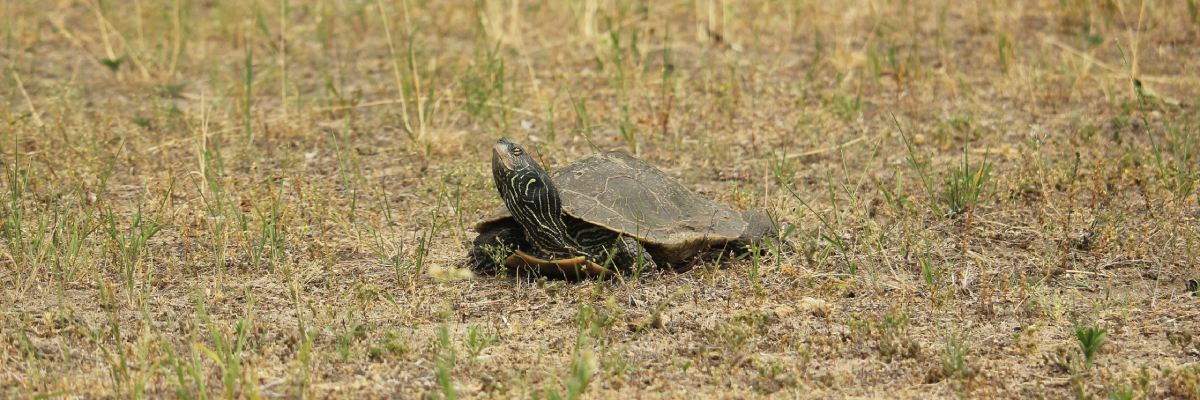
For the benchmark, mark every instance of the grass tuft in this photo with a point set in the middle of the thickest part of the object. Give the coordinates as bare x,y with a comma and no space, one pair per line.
1090,339
965,186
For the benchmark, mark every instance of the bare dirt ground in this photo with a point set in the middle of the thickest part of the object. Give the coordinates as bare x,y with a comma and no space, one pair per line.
211,199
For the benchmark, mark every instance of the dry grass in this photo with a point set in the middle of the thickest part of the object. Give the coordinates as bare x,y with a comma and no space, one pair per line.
273,198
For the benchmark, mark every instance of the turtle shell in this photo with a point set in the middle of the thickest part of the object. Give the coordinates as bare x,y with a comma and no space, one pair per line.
626,195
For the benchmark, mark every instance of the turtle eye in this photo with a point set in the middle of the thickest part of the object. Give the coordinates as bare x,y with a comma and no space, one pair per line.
516,151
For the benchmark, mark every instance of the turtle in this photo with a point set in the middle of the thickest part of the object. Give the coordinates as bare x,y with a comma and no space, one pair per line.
604,214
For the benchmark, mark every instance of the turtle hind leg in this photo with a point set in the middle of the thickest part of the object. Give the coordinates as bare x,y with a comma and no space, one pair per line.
630,255
495,245
760,230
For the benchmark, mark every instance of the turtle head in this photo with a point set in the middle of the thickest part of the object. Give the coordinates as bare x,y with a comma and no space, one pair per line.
510,156
523,184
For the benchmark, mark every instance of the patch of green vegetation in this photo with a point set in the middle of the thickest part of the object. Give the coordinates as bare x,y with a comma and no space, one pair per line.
227,349
477,340
846,106
483,88
1177,160
887,335
446,359
1090,339
391,345
1185,382
128,246
965,186
954,358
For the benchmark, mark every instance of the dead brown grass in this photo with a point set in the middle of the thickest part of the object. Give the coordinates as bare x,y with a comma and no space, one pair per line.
272,199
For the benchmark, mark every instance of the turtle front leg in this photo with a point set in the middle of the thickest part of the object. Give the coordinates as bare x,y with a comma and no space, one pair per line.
631,255
493,246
